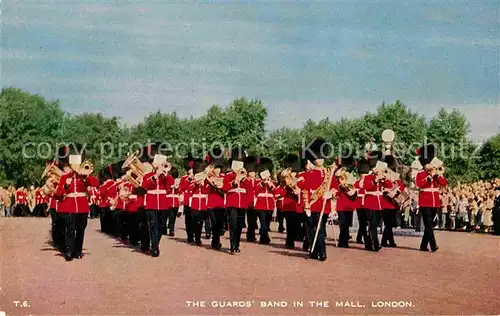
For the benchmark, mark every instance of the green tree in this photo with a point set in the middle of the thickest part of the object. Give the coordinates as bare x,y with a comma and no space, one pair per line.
488,162
449,132
27,122
102,138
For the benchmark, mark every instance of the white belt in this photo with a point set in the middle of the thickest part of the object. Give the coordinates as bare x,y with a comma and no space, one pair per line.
200,196
377,193
157,191
265,195
237,190
173,196
133,196
76,194
361,195
430,190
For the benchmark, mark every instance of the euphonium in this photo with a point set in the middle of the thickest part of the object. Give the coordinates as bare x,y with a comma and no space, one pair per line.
52,175
136,169
344,184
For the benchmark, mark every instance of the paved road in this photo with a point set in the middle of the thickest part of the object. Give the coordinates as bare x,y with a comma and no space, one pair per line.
112,279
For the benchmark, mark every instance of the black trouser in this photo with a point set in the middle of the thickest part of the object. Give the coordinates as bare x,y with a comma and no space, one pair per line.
199,217
374,219
363,222
155,218
305,227
281,216
21,210
428,214
208,226
264,229
123,219
39,210
269,218
104,219
115,223
217,217
320,247
189,222
143,226
57,230
389,218
94,211
74,228
236,223
345,221
291,223
132,224
252,224
171,217
417,219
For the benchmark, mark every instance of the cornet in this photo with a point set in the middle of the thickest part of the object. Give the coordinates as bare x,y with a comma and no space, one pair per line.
86,168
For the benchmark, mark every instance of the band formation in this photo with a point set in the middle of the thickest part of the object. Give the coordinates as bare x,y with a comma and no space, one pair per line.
139,199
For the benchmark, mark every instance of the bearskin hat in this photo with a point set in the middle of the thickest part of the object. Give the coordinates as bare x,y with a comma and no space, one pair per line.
392,163
174,172
317,150
363,166
265,164
187,162
119,165
250,163
149,152
292,161
373,157
199,165
426,154
237,154
64,152
214,154
347,161
106,173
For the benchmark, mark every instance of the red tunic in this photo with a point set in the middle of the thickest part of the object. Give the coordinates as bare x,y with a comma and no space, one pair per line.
93,195
216,198
344,202
251,185
38,196
265,196
199,196
157,188
173,197
374,199
313,181
135,201
429,189
72,193
235,196
360,201
388,203
21,197
102,192
122,204
184,186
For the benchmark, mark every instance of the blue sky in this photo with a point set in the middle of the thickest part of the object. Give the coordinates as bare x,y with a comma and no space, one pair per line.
302,59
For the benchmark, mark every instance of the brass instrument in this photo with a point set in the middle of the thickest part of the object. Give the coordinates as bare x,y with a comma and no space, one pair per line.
85,169
52,174
324,187
137,169
345,183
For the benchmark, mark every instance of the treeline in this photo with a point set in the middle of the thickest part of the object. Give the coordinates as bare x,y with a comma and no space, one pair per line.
31,127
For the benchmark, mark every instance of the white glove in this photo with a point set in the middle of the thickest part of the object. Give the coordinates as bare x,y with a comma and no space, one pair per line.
333,216
308,212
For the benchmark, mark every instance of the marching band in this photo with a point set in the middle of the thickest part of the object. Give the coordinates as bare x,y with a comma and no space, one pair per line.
139,199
